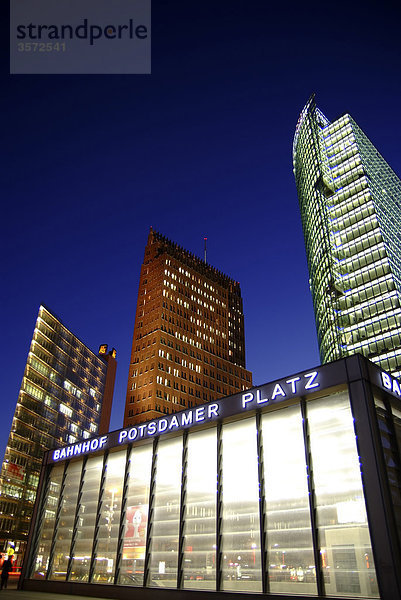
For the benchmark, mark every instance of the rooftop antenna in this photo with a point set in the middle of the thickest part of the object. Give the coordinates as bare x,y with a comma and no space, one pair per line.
205,239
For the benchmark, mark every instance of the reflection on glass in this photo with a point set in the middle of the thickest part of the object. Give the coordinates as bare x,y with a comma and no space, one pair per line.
136,517
346,552
241,565
200,514
390,445
164,547
82,552
289,536
109,524
45,534
66,522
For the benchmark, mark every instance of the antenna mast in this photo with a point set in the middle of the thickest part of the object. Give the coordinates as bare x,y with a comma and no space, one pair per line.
205,239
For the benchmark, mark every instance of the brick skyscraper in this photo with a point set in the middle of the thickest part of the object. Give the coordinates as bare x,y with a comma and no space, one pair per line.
188,346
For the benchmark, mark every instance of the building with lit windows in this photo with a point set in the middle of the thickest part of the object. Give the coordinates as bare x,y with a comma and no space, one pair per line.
350,202
188,345
65,396
288,489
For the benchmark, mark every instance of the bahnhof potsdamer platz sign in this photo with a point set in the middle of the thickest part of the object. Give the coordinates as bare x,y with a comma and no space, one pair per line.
290,488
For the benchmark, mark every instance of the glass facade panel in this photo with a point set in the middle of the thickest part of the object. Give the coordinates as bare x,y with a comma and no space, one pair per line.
45,533
82,550
290,555
165,532
65,526
241,565
200,514
345,546
136,516
109,524
391,443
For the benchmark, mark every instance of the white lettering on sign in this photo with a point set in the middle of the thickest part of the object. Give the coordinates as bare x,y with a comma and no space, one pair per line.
293,383
200,414
282,390
174,423
81,448
152,428
311,381
189,417
132,433
259,399
212,410
391,384
162,425
279,391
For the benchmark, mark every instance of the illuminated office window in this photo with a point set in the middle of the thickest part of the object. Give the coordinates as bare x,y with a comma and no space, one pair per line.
45,533
290,556
61,552
136,517
87,510
241,565
200,515
109,524
345,547
349,200
164,542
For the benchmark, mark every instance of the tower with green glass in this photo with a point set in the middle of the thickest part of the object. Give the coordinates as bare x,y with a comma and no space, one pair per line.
350,201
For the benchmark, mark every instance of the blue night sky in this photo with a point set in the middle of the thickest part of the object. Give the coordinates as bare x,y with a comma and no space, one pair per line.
202,147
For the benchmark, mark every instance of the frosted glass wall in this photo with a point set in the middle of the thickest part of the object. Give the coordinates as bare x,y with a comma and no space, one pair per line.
245,506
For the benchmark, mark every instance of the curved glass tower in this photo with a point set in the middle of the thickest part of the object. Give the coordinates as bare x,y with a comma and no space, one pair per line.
350,201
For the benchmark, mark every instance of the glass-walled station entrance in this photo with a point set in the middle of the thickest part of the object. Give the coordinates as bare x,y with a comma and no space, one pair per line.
289,488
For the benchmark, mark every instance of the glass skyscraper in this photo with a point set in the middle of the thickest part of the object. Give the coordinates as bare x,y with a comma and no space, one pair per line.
66,396
350,201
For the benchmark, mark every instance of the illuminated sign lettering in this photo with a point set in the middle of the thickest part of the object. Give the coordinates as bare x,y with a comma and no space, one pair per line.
282,390
81,448
391,384
171,423
249,400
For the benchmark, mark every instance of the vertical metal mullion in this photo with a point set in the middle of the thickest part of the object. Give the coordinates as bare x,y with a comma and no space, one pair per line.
312,503
76,518
40,507
121,529
98,513
219,508
146,573
180,565
262,507
56,521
